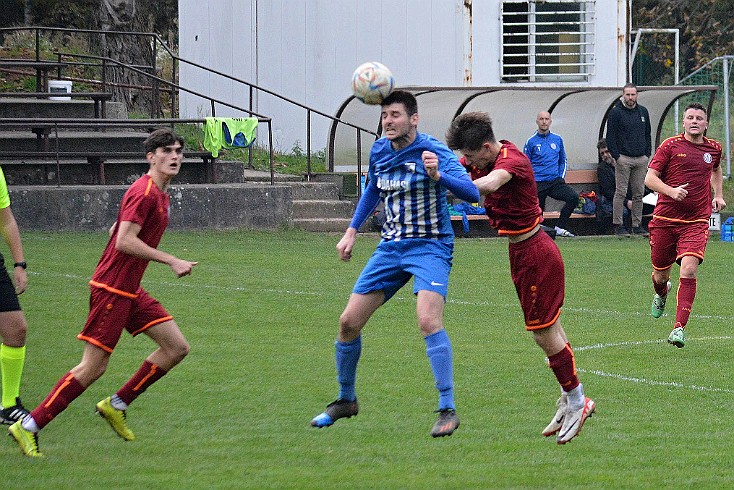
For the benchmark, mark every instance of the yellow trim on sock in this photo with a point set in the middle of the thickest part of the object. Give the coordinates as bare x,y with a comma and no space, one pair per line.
12,360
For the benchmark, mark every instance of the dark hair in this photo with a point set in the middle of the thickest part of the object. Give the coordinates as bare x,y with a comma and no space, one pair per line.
402,97
470,131
698,107
629,85
602,143
161,138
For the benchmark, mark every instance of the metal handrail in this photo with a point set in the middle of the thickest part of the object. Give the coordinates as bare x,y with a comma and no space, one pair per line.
158,41
54,124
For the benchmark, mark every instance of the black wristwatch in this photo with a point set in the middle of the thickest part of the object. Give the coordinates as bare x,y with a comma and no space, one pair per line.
23,264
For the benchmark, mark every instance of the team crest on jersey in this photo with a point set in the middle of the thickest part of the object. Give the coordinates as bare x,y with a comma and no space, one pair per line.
553,145
410,166
707,157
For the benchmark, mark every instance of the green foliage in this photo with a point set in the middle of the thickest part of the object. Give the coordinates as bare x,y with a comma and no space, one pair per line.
161,16
706,28
79,14
261,312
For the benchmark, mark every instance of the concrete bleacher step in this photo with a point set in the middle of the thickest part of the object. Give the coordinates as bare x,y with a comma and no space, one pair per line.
252,175
119,171
314,190
322,209
44,108
335,225
316,206
112,140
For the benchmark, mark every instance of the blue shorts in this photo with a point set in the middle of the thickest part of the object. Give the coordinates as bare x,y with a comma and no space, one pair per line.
396,261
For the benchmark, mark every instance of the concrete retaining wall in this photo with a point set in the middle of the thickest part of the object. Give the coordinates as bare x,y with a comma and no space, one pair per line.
194,206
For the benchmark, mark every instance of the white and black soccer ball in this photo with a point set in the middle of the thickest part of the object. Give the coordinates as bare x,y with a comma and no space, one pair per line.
372,82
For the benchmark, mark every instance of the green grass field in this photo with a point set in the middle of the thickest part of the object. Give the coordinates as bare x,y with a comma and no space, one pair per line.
261,314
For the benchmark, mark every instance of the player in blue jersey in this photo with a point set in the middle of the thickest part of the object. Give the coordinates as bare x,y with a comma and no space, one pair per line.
546,153
410,173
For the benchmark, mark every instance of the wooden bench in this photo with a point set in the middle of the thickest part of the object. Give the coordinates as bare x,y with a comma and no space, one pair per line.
40,66
573,177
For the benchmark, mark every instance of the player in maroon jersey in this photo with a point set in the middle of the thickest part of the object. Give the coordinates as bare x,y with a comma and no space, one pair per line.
683,171
118,302
504,175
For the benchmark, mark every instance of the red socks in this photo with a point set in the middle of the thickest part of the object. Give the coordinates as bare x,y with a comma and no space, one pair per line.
686,294
67,389
148,374
63,393
564,367
661,289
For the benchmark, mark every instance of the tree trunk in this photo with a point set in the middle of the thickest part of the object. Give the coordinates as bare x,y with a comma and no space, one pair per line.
27,13
130,86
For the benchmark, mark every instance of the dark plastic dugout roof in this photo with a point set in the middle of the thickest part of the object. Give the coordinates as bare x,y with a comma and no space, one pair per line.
579,115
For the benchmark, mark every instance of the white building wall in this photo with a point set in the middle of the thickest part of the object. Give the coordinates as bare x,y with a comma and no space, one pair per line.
306,51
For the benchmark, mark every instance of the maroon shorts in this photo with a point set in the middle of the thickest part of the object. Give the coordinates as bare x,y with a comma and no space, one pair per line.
670,243
111,313
539,277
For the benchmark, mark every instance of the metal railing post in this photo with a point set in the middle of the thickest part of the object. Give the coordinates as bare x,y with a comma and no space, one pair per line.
308,145
155,108
249,149
359,163
270,144
58,163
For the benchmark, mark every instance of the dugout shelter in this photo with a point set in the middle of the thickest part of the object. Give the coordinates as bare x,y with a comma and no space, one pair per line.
579,115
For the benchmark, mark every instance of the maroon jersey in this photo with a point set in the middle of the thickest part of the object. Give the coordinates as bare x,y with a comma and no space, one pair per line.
679,162
143,204
513,209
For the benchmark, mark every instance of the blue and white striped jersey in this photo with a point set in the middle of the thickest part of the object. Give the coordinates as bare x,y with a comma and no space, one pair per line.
415,205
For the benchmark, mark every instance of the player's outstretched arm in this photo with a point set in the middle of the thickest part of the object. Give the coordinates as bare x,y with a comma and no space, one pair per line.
127,241
656,184
366,205
492,181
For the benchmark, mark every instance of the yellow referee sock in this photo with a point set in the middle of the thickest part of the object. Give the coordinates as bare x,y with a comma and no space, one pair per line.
12,360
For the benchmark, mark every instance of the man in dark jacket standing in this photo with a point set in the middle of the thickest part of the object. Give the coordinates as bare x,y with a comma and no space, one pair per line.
630,143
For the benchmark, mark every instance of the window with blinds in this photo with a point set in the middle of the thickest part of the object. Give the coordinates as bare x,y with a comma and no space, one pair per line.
547,40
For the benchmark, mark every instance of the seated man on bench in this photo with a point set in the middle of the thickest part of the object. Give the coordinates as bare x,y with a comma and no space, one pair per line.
547,155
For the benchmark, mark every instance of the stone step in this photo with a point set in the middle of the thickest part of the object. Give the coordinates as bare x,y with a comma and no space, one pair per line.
115,172
337,225
251,175
318,208
314,190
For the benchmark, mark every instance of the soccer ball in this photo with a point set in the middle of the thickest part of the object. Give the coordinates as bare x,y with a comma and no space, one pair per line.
372,82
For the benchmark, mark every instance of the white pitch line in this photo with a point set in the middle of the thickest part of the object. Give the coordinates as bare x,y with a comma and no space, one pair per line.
398,297
641,342
655,383
488,303
197,285
646,381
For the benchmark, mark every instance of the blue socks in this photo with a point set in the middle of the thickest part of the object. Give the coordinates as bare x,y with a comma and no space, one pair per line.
438,348
347,356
